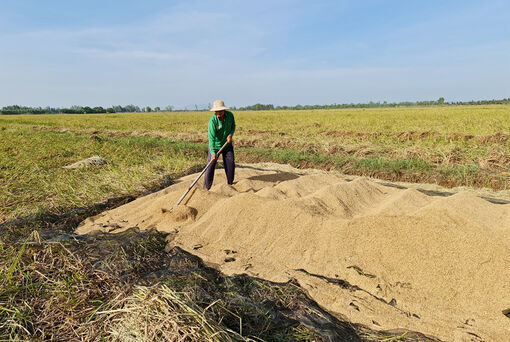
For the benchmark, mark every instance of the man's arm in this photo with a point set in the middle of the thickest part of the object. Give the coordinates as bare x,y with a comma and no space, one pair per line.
233,125
211,132
229,137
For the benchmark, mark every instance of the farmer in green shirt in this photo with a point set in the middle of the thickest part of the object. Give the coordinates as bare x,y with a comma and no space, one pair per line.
221,129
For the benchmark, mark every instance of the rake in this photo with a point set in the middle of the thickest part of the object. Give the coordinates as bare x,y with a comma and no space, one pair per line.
198,177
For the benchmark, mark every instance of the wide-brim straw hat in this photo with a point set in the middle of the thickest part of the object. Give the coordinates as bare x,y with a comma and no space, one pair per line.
218,105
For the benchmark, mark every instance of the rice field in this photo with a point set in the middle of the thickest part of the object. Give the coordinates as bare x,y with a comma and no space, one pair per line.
449,146
468,120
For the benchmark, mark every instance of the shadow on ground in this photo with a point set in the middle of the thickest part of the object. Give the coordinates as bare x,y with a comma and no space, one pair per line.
113,265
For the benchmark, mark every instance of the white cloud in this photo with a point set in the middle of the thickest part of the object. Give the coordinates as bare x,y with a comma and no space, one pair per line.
125,54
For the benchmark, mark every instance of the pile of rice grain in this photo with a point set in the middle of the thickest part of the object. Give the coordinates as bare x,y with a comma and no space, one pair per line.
386,257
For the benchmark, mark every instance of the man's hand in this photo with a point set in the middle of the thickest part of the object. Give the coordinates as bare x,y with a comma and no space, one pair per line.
229,138
214,156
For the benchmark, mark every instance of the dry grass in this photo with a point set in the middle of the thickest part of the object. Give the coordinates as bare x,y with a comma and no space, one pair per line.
472,120
50,293
34,181
451,146
160,313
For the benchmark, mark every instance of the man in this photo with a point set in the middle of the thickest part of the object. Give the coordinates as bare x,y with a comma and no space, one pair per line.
221,129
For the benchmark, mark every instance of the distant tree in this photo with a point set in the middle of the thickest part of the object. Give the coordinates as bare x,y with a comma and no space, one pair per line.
157,109
131,109
87,110
169,108
440,100
260,106
98,110
148,109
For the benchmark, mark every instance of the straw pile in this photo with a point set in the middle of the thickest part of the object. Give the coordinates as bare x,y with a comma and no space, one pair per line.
386,257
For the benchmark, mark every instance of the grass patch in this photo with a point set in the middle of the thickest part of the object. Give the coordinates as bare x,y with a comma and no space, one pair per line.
432,144
33,180
395,165
409,170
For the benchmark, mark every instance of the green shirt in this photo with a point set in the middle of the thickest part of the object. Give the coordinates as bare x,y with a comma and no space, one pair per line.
218,131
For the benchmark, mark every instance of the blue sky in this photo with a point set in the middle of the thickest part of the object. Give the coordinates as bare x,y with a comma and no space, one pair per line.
288,52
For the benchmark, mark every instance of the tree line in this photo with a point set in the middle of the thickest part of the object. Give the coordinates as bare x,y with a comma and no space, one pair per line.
15,109
439,102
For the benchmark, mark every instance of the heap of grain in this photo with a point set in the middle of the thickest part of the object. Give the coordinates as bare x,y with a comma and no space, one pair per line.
381,256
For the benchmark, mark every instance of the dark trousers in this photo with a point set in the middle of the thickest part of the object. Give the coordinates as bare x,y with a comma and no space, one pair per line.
228,164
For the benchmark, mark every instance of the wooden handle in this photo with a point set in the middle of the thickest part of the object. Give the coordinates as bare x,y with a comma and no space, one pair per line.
200,175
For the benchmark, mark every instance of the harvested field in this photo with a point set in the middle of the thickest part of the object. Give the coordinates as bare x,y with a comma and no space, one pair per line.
363,278
381,256
451,146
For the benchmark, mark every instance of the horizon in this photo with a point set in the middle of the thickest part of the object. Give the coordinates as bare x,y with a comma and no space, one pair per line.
285,53
418,103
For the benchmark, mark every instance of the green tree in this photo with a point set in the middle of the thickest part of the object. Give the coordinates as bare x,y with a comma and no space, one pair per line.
98,110
87,110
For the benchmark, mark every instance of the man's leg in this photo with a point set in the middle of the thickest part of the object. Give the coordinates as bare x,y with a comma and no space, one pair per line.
209,174
229,164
